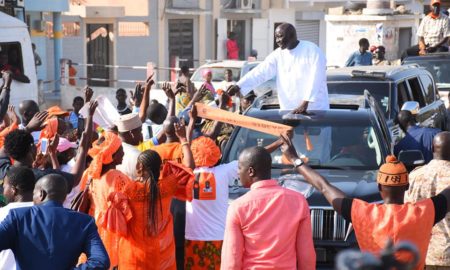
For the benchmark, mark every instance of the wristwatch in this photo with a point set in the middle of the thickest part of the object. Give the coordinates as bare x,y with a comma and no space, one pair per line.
298,162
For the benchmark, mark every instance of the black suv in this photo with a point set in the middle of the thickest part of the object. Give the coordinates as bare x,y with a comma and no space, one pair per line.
348,146
438,64
391,86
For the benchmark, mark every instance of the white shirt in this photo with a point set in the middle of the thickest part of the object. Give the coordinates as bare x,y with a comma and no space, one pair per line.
128,166
7,260
301,76
205,220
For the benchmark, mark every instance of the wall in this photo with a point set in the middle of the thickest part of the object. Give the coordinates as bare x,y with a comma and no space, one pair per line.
344,32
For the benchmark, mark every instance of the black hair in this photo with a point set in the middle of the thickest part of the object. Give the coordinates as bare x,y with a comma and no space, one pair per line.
157,113
184,69
121,90
151,162
18,144
258,158
229,70
21,178
78,98
363,41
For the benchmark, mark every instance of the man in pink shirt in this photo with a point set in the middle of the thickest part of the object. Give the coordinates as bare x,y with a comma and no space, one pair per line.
270,226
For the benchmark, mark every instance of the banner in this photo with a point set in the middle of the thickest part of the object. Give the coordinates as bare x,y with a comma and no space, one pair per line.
235,119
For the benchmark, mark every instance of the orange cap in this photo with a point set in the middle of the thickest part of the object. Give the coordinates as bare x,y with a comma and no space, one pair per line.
433,2
56,111
392,173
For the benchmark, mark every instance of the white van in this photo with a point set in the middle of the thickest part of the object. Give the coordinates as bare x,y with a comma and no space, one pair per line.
15,44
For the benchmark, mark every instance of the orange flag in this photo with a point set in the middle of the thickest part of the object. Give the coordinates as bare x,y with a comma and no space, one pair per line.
231,118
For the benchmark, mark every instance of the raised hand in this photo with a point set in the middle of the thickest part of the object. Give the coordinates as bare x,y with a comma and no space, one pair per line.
13,115
224,100
88,93
53,145
36,123
193,113
92,107
136,96
180,131
167,88
7,79
288,148
233,89
149,82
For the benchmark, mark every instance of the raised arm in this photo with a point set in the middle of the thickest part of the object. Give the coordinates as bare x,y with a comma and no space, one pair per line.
333,195
5,93
52,152
80,164
260,74
188,159
145,98
217,126
167,88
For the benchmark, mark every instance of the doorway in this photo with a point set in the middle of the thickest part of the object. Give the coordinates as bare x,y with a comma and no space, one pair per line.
239,30
404,39
99,53
181,41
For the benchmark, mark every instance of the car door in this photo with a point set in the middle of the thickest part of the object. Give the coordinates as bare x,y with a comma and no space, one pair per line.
434,103
386,132
429,112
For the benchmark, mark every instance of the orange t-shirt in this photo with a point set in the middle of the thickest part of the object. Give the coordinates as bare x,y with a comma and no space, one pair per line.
375,223
170,152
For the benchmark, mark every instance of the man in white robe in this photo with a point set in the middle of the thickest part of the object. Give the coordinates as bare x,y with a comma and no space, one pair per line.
300,70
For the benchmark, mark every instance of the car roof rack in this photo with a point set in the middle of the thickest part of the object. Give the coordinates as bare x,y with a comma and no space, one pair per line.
369,74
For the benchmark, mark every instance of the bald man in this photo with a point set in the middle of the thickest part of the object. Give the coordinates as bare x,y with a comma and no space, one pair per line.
428,181
39,235
27,110
270,226
300,71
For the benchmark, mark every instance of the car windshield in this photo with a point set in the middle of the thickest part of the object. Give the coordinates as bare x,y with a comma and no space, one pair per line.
327,145
352,92
218,74
440,69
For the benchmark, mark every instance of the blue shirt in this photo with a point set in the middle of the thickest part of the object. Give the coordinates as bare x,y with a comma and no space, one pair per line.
359,59
73,119
418,138
48,236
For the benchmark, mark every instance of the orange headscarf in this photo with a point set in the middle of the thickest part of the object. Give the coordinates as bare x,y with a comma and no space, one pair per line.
49,131
205,151
57,111
103,153
5,132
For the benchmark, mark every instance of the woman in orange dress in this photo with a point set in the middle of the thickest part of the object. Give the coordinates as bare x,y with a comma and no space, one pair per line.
149,242
104,179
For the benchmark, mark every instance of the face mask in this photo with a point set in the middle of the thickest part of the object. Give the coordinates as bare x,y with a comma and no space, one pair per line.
435,11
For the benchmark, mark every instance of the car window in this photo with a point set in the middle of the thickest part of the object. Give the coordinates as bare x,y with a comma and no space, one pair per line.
416,91
218,74
351,144
352,92
11,57
439,68
428,87
403,94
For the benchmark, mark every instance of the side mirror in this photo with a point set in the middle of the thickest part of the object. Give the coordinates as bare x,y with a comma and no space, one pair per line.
411,159
412,106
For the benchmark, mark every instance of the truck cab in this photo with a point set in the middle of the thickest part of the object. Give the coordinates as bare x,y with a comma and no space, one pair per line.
17,56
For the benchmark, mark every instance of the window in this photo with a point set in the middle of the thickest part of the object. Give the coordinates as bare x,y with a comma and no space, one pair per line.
70,29
133,29
416,91
403,96
11,57
428,87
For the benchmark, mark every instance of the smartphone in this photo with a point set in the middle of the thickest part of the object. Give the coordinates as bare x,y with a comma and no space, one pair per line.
44,145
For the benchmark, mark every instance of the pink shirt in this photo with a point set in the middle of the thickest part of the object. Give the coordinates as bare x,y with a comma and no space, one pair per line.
267,228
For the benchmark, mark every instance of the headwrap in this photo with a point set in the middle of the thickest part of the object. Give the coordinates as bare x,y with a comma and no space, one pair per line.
103,153
205,152
5,132
392,173
57,111
64,145
49,131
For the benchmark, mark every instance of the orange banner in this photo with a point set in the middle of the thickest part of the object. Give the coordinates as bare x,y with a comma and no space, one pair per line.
235,119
